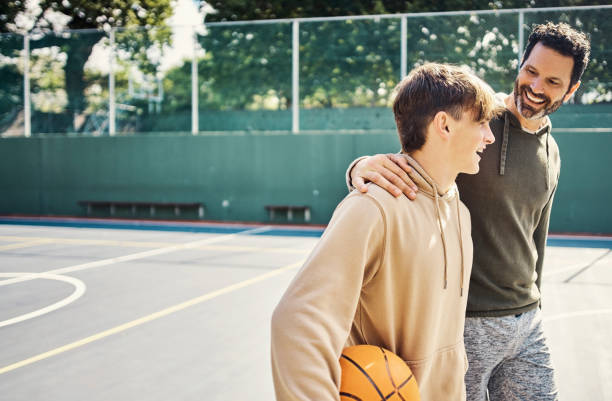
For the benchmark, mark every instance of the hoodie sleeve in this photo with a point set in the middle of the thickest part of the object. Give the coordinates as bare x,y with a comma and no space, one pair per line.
312,322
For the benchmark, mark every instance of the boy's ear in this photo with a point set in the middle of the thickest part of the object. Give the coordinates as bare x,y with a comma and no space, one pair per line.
441,123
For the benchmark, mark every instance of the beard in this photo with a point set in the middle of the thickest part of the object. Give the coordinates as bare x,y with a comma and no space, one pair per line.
529,112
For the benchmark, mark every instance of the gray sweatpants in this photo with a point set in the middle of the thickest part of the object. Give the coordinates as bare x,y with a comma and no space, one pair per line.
508,358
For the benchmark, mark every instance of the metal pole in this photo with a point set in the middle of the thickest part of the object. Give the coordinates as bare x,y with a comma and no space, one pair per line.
404,54
295,81
521,36
27,112
195,124
111,86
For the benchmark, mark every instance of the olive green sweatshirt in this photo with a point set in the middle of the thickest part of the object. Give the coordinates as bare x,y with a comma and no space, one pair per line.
509,201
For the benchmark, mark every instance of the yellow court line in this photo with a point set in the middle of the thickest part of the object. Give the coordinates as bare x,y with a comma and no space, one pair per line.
148,318
24,244
138,244
32,241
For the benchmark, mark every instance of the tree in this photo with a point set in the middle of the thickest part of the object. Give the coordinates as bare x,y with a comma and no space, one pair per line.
356,63
9,9
89,22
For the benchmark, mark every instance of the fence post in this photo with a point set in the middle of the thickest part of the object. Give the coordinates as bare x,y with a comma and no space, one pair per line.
111,86
27,111
295,81
404,50
521,36
195,123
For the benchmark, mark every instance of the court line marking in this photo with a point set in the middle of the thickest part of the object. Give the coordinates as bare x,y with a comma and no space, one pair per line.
138,255
149,318
587,267
577,314
25,244
32,241
602,254
79,290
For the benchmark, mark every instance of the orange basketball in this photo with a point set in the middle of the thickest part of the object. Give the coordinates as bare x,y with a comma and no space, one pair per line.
371,373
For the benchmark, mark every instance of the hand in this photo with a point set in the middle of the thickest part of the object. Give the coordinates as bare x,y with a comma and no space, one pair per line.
389,172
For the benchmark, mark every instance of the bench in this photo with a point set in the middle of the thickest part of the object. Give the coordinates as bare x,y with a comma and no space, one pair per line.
112,205
289,209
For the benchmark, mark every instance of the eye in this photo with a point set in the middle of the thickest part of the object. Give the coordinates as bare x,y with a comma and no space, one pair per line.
552,82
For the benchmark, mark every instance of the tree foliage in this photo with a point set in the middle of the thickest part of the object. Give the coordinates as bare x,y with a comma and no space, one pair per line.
87,23
357,62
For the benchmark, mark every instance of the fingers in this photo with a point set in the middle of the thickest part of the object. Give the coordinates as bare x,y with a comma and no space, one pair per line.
380,180
389,172
360,184
400,178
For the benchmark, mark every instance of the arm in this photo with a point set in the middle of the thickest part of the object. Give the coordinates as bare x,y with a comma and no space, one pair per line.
539,236
388,171
312,322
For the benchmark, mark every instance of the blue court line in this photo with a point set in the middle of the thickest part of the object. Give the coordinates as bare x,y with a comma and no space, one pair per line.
577,241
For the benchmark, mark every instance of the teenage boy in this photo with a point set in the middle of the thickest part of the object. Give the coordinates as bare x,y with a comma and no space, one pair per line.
389,271
510,202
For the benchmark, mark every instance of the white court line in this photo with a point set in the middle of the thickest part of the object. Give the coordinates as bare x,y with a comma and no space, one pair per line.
136,256
151,317
79,290
578,314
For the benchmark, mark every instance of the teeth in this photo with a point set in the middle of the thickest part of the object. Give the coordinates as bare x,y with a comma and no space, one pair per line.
533,99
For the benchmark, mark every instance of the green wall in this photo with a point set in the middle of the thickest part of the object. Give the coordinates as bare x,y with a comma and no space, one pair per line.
48,175
330,119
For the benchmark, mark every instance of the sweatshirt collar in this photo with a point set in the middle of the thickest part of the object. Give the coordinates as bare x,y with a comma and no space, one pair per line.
426,184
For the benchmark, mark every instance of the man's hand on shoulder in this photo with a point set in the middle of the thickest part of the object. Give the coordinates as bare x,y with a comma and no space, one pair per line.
389,172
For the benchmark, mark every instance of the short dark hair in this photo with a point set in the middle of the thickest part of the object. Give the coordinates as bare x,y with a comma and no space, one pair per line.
565,40
435,87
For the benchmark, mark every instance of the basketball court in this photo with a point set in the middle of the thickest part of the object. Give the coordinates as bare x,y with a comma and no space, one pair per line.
175,311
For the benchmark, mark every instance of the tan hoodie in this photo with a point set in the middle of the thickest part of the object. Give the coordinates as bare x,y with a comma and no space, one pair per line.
389,272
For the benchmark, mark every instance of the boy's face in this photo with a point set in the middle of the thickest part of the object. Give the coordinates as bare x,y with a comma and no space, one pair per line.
468,140
543,82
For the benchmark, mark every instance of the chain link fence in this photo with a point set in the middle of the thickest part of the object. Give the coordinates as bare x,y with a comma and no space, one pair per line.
300,75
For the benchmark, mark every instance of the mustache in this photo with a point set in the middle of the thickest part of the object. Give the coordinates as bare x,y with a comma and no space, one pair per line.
526,88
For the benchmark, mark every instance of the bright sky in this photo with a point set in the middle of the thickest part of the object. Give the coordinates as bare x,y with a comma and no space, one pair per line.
186,15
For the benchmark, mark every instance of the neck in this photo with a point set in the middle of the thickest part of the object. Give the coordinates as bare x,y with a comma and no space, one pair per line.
531,125
436,167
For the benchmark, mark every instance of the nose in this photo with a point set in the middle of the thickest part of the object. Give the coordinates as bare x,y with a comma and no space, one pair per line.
536,86
488,135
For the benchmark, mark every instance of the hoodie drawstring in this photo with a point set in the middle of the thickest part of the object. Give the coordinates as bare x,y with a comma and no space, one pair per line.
437,197
504,146
547,161
460,245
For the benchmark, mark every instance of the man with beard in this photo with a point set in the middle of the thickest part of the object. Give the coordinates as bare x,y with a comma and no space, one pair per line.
510,202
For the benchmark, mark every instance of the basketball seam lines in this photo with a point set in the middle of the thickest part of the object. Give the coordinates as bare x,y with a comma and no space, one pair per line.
382,397
389,374
349,395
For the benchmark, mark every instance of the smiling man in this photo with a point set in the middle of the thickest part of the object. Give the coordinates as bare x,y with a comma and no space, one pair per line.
510,202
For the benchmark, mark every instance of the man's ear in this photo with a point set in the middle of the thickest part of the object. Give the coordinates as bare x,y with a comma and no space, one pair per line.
571,91
441,123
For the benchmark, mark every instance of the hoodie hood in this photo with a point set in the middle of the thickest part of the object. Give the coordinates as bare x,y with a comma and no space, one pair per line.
428,187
